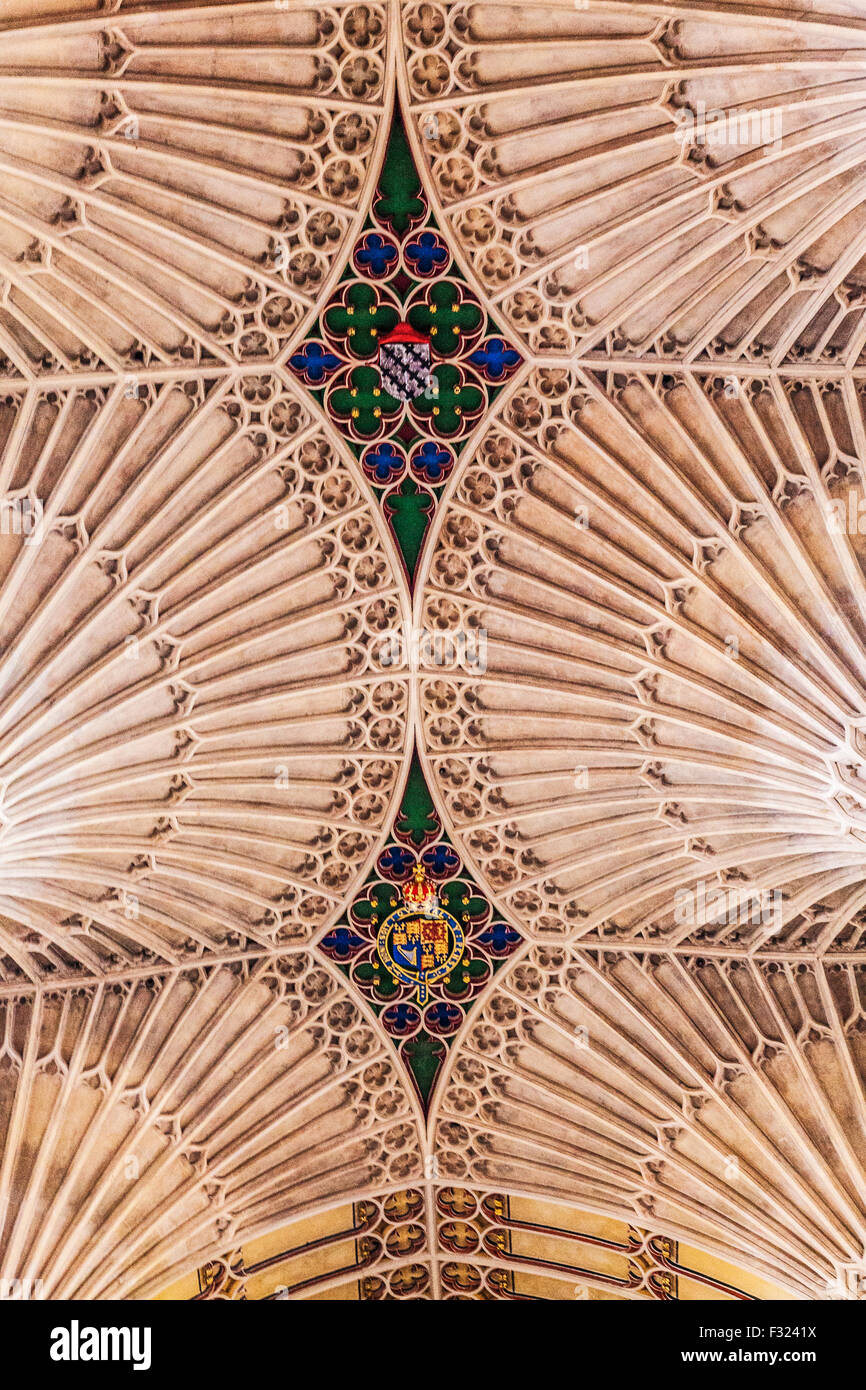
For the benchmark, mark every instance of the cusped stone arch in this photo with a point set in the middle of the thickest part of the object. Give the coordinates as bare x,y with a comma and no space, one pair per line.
368,1249
496,1245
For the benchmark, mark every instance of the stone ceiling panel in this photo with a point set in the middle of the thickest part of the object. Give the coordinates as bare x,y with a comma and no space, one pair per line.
146,1126
675,180
196,751
666,740
719,1101
179,183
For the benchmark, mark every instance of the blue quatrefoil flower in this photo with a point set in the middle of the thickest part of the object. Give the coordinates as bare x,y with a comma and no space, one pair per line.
314,363
426,254
494,359
499,938
401,1019
376,256
443,1018
341,944
396,862
441,861
431,462
383,463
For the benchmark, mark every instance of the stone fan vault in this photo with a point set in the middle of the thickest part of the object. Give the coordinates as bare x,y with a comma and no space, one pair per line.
569,625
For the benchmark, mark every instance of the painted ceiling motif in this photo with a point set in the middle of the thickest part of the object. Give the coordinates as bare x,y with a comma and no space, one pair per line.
402,271
422,1030
431,463
489,1246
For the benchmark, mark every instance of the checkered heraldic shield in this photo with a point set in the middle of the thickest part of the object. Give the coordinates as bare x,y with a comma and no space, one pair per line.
404,363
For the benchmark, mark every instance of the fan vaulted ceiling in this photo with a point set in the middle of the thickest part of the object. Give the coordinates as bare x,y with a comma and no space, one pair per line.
205,762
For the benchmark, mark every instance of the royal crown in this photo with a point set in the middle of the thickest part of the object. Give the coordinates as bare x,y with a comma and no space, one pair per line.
420,891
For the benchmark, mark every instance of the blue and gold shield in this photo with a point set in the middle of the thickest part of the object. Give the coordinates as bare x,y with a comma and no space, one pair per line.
420,946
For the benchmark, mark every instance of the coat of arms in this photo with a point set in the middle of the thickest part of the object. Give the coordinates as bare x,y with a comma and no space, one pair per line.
404,363
420,942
